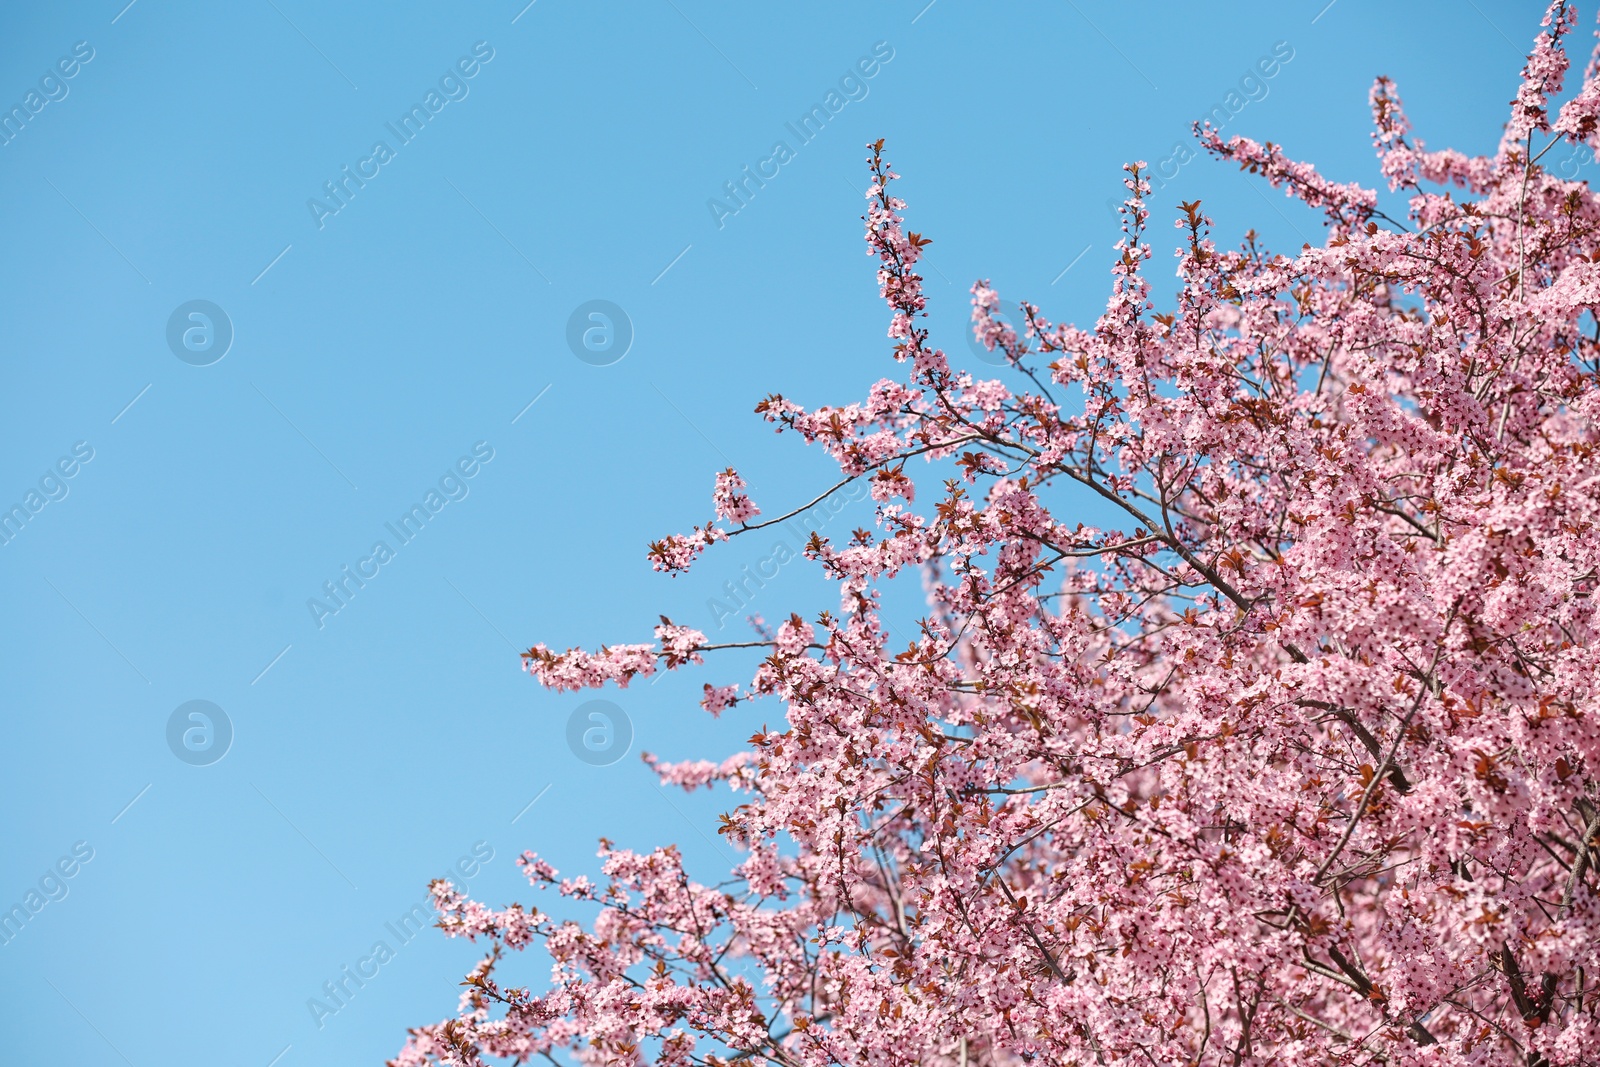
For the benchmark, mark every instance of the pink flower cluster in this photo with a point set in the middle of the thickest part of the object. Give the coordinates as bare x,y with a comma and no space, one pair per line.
576,669
731,504
1297,761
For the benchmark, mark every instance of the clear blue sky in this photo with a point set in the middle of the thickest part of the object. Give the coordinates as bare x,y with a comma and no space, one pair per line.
373,348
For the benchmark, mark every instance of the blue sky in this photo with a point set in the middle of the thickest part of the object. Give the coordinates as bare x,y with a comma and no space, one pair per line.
414,335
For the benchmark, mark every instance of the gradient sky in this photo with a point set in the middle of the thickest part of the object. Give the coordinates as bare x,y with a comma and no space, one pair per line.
374,348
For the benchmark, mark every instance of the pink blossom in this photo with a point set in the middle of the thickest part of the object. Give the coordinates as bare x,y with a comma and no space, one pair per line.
1294,759
730,503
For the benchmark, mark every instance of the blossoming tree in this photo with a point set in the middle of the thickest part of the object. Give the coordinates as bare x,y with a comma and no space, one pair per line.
1296,765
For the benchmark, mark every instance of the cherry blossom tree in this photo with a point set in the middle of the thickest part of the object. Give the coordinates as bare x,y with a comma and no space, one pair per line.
1297,764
